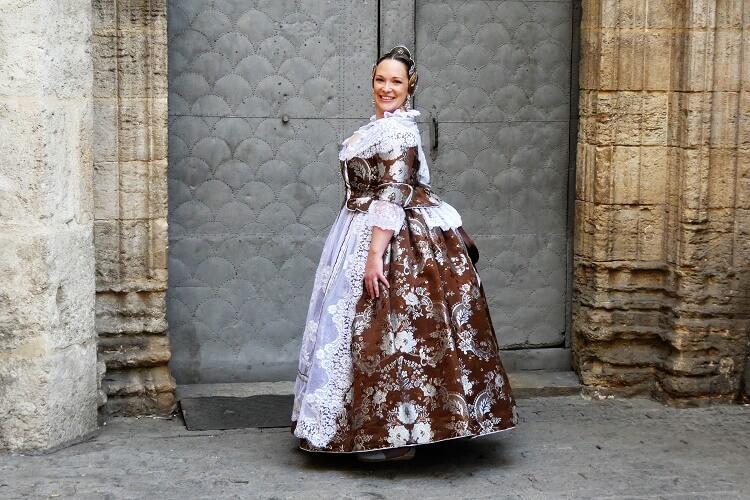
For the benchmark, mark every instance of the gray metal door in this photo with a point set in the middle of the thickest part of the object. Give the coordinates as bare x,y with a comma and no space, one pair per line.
261,94
495,80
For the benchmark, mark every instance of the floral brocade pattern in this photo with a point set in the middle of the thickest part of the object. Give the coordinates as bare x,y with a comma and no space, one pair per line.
425,358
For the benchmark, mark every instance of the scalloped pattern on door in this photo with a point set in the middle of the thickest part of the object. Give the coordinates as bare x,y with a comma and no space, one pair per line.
496,75
261,95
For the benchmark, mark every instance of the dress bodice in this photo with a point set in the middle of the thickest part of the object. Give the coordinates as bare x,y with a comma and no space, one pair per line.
394,180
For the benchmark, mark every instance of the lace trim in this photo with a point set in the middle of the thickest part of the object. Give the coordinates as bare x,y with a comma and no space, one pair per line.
329,401
443,216
385,215
385,136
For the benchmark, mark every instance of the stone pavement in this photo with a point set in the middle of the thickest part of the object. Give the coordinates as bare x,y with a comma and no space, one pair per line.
564,447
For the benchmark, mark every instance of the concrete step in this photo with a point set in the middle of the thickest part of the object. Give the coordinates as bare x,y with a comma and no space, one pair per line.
525,384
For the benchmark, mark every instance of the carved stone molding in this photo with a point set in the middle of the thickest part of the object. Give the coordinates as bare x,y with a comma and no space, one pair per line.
662,251
130,198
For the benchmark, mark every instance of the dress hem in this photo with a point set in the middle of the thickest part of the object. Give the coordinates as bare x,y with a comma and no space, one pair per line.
469,436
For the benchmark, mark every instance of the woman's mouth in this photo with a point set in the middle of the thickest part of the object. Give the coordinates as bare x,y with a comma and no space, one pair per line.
386,98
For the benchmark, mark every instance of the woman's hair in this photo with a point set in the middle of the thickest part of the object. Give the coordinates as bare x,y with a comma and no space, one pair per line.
401,54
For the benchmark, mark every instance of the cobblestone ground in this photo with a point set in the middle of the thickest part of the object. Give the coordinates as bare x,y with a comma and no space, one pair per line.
565,447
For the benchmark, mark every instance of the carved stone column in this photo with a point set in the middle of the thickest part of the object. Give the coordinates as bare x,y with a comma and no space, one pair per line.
130,185
662,247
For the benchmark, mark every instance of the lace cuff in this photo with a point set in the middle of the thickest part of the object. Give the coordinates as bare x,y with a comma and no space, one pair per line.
385,215
443,216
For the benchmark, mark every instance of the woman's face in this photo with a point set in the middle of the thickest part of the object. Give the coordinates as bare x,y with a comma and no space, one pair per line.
390,86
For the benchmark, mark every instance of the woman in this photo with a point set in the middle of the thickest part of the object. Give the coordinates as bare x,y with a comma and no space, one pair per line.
398,349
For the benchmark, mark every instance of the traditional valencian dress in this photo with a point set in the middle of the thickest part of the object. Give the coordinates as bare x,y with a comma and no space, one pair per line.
420,364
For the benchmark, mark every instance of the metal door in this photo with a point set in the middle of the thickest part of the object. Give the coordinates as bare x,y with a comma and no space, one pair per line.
261,94
495,91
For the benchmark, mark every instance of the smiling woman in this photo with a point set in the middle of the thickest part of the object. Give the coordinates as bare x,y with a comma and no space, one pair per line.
398,349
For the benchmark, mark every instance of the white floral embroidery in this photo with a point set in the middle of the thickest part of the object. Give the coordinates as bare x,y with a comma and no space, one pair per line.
405,342
429,390
398,435
379,397
407,413
421,432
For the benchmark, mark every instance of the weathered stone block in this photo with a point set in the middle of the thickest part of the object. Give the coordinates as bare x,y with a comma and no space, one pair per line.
157,189
602,178
694,168
106,124
690,115
697,65
106,194
653,176
654,119
588,77
159,243
658,59
586,165
695,387
140,391
45,49
630,61
47,396
608,54
661,14
134,249
143,129
721,179
142,64
107,250
743,132
134,190
46,285
728,60
134,351
105,64
139,14
724,119
624,174
699,14
651,233
43,143
131,312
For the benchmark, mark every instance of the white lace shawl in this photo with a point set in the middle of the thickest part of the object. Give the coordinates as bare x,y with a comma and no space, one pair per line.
396,130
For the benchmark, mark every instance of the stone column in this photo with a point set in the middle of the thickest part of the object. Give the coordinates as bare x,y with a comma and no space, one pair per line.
48,366
130,193
662,247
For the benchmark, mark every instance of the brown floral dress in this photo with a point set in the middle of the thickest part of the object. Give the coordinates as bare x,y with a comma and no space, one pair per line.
420,364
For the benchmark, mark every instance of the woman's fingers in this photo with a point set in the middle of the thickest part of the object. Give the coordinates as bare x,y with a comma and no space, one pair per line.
372,286
382,278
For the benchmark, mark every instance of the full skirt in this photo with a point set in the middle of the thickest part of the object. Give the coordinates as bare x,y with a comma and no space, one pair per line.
418,365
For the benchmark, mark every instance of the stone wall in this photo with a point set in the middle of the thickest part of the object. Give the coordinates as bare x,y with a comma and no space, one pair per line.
130,204
662,246
48,367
